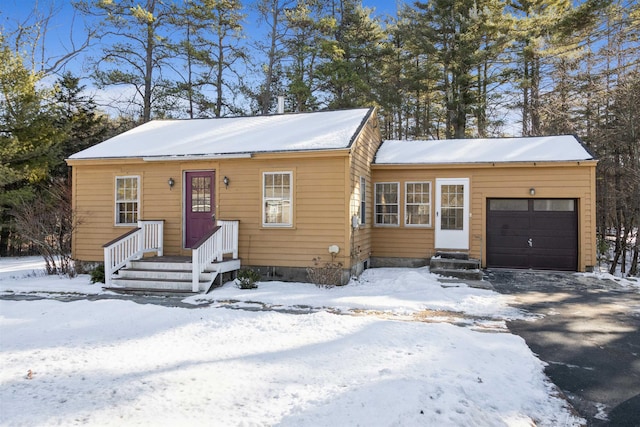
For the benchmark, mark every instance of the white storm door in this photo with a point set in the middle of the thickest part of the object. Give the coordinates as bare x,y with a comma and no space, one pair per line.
452,213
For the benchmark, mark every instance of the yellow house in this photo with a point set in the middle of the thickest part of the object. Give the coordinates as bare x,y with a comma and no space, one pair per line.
292,185
278,192
509,202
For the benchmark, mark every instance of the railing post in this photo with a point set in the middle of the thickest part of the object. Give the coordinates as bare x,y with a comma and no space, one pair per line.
219,256
236,227
107,267
143,237
160,238
195,270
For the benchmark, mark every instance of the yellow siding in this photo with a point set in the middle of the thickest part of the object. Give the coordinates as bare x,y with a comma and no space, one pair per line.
326,195
575,180
94,198
318,213
362,153
324,183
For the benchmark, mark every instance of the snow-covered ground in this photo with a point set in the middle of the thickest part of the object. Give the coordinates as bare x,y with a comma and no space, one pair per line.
369,353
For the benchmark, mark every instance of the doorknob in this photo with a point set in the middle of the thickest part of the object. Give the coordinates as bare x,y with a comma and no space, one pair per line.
530,242
213,217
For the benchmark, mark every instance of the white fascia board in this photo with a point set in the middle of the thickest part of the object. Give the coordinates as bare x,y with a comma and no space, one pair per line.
197,157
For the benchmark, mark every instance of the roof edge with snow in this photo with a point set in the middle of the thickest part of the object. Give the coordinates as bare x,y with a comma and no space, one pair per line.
560,148
234,136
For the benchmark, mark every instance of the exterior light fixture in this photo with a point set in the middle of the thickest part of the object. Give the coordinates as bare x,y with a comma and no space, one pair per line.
334,249
171,183
226,182
532,191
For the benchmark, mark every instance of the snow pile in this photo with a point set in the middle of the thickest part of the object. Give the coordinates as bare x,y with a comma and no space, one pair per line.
115,362
28,275
391,290
627,282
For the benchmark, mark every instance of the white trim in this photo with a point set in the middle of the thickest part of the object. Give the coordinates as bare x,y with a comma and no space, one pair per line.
429,203
116,202
452,239
196,157
363,201
375,205
265,199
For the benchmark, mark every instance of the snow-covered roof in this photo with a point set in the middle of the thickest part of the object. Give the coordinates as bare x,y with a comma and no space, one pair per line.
526,149
227,136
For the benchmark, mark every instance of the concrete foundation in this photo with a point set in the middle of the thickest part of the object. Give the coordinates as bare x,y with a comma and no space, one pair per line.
378,262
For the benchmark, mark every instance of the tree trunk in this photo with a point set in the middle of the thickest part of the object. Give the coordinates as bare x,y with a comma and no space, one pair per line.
219,81
266,93
148,76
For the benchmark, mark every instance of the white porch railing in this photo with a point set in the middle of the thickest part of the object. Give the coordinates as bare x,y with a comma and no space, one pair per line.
221,241
148,237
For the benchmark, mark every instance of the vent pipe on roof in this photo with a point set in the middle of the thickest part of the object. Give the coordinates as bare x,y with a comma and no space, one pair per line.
280,104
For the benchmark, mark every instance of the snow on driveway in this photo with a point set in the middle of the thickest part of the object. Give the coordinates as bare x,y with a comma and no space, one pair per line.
115,362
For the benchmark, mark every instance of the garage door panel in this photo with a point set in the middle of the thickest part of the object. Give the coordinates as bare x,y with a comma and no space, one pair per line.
553,243
508,260
550,222
553,262
509,243
544,236
510,222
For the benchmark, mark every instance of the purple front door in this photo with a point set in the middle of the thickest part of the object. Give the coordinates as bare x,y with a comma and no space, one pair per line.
200,215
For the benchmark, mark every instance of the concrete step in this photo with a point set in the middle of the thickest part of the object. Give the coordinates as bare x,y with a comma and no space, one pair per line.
159,265
452,255
156,284
168,274
151,291
221,266
459,274
177,275
454,264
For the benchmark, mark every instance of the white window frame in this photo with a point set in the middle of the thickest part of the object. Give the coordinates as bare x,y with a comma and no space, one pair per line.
363,200
376,204
407,204
118,202
266,199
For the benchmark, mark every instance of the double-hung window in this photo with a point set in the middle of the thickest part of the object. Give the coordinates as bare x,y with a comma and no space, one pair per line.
277,194
387,205
127,200
417,209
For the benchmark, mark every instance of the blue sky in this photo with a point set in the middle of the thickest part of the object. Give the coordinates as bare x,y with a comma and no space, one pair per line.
67,28
64,29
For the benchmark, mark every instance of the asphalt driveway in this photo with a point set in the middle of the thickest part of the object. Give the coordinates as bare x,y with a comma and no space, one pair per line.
589,334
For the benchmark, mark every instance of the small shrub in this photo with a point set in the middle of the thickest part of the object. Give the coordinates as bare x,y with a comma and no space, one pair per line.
97,274
247,279
325,275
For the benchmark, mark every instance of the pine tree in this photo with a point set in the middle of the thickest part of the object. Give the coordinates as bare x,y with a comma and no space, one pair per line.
138,52
217,32
273,14
29,138
349,71
79,119
308,28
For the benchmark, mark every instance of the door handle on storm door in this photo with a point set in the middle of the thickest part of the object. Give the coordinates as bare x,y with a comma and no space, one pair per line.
213,217
530,242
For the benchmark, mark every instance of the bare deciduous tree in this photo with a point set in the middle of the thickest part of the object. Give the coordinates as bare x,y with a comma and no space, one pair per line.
48,222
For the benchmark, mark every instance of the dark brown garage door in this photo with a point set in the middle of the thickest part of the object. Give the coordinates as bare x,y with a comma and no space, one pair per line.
532,233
